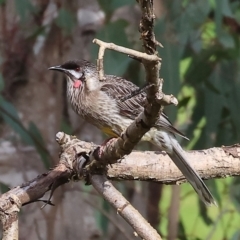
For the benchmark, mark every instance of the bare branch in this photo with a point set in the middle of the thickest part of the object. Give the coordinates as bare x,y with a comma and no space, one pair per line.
157,166
124,208
114,221
148,166
146,27
127,51
151,166
9,218
117,148
31,191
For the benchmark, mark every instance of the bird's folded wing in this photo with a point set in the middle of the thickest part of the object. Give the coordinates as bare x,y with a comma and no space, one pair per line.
117,88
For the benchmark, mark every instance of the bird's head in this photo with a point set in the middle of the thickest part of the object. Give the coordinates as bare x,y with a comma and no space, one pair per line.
79,73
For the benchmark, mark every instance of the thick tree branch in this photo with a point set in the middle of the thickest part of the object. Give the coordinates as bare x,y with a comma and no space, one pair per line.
157,166
148,166
151,166
10,220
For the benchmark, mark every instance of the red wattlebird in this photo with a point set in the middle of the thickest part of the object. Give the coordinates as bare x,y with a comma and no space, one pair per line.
99,102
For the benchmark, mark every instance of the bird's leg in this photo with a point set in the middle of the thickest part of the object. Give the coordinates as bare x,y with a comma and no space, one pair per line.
93,163
101,148
136,92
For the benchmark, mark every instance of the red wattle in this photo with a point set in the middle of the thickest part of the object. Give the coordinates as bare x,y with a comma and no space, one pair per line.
77,83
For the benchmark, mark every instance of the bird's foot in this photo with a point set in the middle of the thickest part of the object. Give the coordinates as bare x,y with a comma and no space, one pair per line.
105,144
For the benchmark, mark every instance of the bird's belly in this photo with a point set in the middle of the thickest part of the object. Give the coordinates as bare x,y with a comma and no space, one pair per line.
114,126
109,131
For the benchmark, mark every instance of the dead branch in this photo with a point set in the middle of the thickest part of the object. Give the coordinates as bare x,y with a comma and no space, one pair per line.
123,145
124,208
156,166
148,166
118,147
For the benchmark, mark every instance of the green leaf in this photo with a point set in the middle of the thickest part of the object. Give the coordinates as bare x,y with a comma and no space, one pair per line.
233,105
226,9
234,192
198,122
66,127
114,62
39,144
236,235
31,136
2,2
184,102
208,33
4,188
24,7
104,222
65,20
213,103
204,214
226,40
211,87
170,71
1,82
201,67
10,116
182,232
213,187
110,6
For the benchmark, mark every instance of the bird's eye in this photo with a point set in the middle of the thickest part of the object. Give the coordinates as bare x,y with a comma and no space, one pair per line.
77,69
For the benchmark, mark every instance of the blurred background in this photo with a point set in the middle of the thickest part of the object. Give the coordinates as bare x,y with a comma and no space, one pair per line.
201,66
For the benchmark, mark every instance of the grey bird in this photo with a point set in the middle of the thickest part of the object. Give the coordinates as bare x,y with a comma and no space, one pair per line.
99,103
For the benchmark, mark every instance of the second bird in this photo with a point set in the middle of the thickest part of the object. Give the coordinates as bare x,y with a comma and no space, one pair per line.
99,103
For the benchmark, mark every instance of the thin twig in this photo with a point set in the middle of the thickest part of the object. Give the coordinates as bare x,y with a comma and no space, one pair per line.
127,51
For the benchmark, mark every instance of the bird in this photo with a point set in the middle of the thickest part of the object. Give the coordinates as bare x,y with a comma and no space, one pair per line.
100,103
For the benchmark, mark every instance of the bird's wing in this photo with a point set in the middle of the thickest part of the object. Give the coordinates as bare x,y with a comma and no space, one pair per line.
117,88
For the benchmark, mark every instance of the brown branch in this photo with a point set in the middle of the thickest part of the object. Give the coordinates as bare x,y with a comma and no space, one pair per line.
146,26
157,166
127,51
10,220
14,199
73,153
151,166
118,147
124,208
147,166
114,221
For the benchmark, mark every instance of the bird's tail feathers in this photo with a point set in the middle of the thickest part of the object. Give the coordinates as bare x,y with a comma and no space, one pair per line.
178,156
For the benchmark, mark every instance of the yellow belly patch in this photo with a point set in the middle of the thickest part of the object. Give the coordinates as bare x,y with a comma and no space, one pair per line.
109,132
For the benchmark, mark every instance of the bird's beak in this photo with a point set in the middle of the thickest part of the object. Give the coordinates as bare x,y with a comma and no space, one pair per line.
57,68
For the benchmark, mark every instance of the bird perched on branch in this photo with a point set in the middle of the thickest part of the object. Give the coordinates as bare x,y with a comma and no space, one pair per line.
100,103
